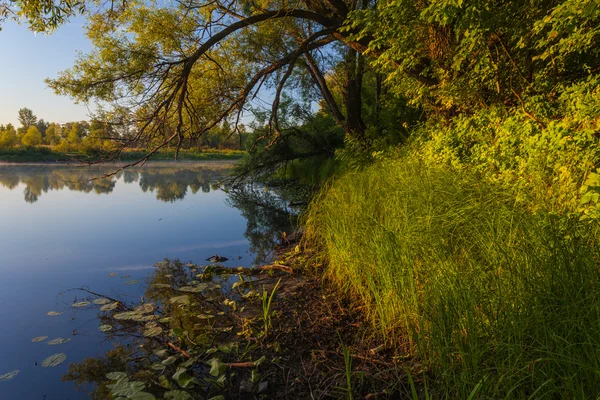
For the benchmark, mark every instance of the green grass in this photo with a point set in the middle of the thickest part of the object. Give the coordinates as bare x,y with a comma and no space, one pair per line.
44,154
495,302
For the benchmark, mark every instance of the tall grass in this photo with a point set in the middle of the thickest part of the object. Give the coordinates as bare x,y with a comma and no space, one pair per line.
488,295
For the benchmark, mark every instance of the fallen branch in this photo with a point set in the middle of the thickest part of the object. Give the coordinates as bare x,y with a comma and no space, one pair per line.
178,349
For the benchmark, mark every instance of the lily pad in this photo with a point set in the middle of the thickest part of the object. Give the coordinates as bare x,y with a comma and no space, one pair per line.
153,331
191,289
105,328
185,300
9,376
125,388
59,341
39,339
112,274
127,315
145,308
109,307
116,376
81,304
101,301
53,313
132,282
161,285
54,360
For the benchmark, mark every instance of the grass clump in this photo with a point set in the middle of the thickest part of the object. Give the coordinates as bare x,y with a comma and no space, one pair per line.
486,294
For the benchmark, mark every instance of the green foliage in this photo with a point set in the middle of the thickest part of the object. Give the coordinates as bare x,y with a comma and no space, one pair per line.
486,292
32,138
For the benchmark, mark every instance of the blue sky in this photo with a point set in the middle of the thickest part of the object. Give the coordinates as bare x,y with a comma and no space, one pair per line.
27,59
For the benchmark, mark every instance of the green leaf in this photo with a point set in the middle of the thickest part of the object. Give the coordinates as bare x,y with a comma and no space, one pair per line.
184,300
101,301
169,360
178,395
109,307
9,376
164,382
142,396
81,304
183,379
154,331
131,282
54,360
53,313
117,376
217,367
105,328
126,388
58,341
39,339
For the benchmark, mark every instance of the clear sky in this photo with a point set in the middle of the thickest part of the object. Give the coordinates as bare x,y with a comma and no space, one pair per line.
26,60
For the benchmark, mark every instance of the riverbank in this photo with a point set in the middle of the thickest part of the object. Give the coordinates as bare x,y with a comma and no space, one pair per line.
46,155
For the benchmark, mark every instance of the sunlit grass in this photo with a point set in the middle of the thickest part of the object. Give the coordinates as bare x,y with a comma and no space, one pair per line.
488,296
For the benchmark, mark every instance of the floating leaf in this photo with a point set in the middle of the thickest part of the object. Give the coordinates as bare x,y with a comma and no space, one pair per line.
191,289
53,313
132,282
205,316
105,328
81,304
145,308
185,300
59,341
236,284
142,396
54,360
39,339
154,331
161,285
161,352
125,388
128,315
117,376
126,276
157,367
101,301
9,376
178,395
109,307
112,274
165,320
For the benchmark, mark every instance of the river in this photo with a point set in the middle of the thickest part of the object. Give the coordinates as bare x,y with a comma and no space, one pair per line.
60,230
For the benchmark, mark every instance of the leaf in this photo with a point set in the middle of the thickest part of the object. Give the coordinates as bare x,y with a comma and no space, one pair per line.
112,274
132,282
105,328
161,352
184,379
101,301
126,388
191,289
217,367
127,315
59,341
109,307
154,331
184,300
53,313
219,397
9,376
161,285
205,316
126,276
142,396
178,395
145,308
117,376
39,339
54,360
164,382
169,360
81,304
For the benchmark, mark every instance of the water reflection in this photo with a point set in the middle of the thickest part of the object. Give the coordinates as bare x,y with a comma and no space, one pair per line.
169,182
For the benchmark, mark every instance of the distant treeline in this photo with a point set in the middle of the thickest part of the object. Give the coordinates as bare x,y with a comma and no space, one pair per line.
90,138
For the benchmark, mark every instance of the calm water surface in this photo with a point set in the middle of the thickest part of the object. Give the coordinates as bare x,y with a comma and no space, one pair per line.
60,231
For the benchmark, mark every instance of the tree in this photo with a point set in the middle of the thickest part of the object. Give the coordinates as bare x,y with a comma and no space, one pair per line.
8,136
27,118
32,138
52,137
